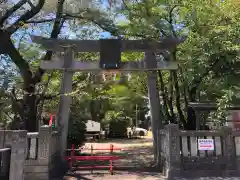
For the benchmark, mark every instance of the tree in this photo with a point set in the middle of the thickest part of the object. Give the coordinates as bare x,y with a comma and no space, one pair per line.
15,18
208,55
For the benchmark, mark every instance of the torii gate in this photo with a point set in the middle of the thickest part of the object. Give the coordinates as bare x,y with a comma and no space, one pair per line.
110,58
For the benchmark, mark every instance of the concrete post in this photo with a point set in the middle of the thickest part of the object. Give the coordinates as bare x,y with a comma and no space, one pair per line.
154,101
44,143
173,151
17,140
65,102
229,149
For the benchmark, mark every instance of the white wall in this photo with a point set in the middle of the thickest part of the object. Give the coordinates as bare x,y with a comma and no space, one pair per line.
233,119
92,126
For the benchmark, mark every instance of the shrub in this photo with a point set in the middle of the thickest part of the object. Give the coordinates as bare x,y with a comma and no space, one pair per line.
76,131
118,128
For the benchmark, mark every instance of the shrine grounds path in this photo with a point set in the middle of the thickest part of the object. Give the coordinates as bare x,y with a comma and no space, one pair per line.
137,164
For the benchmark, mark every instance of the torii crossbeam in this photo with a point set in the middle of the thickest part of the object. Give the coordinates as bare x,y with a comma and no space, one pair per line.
110,58
95,46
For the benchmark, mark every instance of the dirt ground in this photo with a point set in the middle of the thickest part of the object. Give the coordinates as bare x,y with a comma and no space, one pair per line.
136,163
123,175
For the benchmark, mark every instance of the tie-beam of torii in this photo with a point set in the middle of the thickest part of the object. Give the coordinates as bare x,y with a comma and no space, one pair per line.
110,59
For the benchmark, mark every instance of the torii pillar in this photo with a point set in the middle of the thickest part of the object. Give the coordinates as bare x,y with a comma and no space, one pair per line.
111,50
154,102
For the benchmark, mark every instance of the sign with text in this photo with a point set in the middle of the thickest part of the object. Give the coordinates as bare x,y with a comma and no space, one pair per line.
205,145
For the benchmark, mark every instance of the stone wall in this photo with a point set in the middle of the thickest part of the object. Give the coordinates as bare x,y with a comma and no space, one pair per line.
16,141
180,157
32,155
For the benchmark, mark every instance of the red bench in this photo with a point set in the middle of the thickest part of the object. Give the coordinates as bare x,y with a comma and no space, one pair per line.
73,158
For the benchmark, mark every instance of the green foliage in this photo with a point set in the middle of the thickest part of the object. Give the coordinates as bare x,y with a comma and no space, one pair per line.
117,124
77,127
77,130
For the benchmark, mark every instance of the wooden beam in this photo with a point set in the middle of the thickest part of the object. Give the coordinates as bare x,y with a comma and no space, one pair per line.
94,66
205,106
94,45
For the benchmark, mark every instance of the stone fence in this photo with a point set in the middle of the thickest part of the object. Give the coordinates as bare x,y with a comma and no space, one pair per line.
40,154
180,156
14,141
32,155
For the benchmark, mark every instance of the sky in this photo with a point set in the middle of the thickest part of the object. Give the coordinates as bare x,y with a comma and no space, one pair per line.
43,29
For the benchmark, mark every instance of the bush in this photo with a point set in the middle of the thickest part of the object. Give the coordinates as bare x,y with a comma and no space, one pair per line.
76,131
118,128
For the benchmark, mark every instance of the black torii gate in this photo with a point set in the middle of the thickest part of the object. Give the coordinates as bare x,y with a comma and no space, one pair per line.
110,58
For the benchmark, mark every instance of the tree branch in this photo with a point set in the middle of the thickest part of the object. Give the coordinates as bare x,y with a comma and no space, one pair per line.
39,21
106,27
170,20
50,97
18,60
164,96
11,11
28,15
57,26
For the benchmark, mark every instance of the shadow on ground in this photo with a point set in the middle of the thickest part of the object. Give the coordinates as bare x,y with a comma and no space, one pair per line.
135,153
136,162
124,175
123,141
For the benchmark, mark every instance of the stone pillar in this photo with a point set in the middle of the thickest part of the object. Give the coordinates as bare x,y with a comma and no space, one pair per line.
65,102
17,141
229,149
2,139
173,151
154,101
44,144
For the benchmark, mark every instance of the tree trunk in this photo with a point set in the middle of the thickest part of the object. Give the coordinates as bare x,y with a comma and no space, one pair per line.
165,98
94,111
28,105
191,116
178,99
30,113
170,99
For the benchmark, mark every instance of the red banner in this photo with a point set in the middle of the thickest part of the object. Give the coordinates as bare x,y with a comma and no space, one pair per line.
51,120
